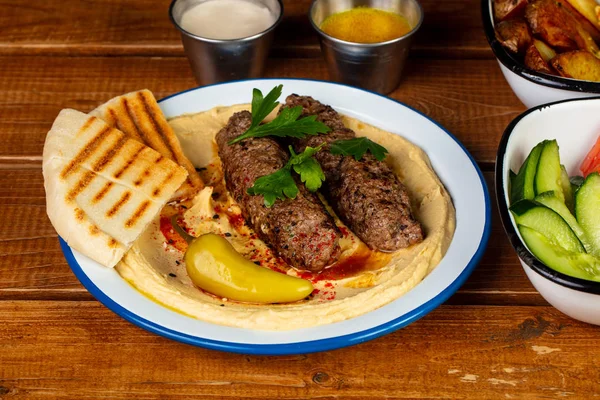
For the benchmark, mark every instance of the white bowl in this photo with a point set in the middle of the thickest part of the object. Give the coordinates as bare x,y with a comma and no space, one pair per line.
575,124
531,87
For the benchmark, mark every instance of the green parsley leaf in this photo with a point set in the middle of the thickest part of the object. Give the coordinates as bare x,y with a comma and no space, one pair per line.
308,168
277,185
281,184
357,148
286,124
262,107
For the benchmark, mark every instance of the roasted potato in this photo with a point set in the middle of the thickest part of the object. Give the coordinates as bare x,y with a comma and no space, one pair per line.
589,15
537,61
553,23
577,65
514,35
508,9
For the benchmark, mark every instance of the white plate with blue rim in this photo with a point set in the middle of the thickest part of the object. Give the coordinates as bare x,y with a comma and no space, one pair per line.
451,161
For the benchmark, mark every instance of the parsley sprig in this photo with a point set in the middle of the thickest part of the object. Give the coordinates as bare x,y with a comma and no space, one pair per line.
286,124
281,184
308,168
357,148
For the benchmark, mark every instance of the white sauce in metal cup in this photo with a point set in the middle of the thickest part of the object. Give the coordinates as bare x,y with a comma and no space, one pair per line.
227,19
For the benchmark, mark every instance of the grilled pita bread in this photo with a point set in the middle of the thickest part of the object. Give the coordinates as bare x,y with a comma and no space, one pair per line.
138,115
102,188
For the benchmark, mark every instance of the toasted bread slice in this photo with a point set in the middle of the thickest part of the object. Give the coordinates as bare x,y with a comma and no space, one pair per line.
102,188
138,115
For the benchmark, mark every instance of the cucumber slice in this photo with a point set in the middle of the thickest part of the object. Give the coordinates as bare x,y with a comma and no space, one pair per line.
566,187
523,184
550,200
548,173
548,223
587,210
578,265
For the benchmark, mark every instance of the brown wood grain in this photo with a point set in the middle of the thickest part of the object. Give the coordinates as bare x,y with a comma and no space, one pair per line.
452,28
33,267
496,338
469,97
82,350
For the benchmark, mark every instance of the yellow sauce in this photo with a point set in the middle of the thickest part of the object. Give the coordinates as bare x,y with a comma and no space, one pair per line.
366,25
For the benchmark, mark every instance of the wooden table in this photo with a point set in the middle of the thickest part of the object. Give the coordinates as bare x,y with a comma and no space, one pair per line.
495,338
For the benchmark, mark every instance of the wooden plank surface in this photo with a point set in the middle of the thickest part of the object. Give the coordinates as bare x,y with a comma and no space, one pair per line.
495,338
452,28
82,350
469,97
33,267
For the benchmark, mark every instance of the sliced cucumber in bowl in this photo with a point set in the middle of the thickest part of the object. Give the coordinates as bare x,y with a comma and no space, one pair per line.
548,175
567,188
522,185
550,200
547,222
578,265
558,217
587,209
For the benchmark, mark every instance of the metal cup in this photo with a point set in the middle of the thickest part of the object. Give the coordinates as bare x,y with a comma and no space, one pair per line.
373,66
214,60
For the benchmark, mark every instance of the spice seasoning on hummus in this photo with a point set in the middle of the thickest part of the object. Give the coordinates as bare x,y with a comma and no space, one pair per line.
361,281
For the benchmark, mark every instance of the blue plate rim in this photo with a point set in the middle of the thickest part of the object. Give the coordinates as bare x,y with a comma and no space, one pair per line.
313,346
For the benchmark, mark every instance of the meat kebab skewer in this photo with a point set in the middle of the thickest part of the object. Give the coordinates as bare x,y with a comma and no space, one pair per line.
366,194
299,230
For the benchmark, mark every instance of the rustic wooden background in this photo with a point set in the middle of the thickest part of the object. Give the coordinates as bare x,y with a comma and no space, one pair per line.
495,338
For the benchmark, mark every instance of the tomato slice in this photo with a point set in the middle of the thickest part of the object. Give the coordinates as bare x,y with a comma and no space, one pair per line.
591,165
595,165
591,159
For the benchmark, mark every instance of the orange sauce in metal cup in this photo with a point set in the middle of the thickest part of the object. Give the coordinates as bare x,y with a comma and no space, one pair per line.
366,25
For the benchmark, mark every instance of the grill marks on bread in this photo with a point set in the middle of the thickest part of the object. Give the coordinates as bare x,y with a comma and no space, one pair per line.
87,150
129,162
140,180
110,154
115,208
153,118
138,214
166,139
99,154
81,184
157,190
90,150
79,214
138,115
155,138
89,173
100,195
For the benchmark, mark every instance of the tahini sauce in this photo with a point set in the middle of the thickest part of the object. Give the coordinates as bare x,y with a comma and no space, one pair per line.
227,19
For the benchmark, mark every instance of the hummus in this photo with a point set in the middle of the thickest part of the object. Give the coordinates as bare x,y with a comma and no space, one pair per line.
362,281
